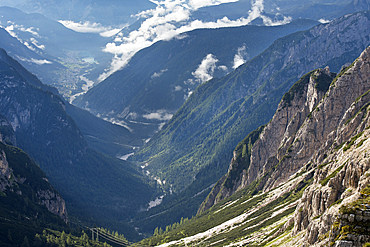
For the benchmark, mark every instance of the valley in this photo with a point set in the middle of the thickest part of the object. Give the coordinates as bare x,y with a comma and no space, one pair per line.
178,123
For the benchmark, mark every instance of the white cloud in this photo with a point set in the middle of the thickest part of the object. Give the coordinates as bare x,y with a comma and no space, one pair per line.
206,69
161,115
10,30
158,74
171,19
36,43
178,88
323,21
29,46
223,67
239,57
29,30
196,4
88,27
186,96
36,61
110,33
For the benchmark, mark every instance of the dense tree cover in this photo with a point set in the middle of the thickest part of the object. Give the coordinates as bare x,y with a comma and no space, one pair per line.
50,238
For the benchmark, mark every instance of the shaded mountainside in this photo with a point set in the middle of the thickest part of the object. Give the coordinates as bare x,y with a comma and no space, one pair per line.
158,79
101,135
28,202
312,186
55,54
97,188
194,149
221,110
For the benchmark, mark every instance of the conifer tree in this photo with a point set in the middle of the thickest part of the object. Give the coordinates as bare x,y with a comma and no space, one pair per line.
9,235
156,231
25,242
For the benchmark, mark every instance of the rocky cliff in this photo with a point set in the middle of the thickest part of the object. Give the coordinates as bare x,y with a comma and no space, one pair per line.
6,131
320,129
19,169
340,151
255,157
20,175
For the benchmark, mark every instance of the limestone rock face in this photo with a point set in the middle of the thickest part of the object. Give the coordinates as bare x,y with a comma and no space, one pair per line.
321,128
15,177
5,173
315,48
6,131
272,142
54,203
332,140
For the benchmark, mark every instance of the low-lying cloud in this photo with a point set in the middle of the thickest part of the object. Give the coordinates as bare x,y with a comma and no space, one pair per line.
88,27
35,61
206,69
12,29
196,4
161,115
323,21
239,57
170,19
158,74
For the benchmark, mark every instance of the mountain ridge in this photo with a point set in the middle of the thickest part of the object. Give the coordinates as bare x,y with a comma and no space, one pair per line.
230,97
90,182
317,193
167,68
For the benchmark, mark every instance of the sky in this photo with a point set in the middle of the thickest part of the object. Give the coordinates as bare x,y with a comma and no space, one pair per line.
168,20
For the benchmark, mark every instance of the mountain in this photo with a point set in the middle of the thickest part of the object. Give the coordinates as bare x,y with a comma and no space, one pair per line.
39,63
57,55
108,13
300,180
296,9
111,139
158,79
29,203
8,61
324,10
96,187
194,148
101,135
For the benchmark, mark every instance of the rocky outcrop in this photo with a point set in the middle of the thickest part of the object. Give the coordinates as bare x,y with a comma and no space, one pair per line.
6,175
53,202
6,131
342,159
15,178
321,127
269,145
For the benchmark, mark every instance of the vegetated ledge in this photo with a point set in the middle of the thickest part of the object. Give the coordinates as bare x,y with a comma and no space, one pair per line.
352,225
